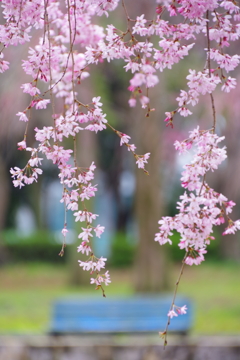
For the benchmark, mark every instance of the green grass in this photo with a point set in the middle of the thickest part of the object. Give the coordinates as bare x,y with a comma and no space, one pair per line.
215,291
28,290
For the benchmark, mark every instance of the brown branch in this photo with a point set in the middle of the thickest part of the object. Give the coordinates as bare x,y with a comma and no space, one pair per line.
127,16
209,71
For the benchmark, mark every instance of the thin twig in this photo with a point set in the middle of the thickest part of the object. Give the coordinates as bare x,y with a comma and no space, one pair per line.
203,181
65,223
127,16
46,25
165,333
72,40
209,71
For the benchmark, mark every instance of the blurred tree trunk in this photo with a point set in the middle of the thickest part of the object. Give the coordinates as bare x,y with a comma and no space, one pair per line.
230,244
151,259
4,192
226,180
230,247
150,266
4,196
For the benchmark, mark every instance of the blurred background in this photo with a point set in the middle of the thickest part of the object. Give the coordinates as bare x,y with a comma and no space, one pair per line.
128,202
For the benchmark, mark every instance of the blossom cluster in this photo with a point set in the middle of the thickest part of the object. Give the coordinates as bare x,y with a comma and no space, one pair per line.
76,181
143,58
200,207
176,310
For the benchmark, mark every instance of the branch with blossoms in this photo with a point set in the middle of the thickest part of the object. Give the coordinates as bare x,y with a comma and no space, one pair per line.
200,207
69,46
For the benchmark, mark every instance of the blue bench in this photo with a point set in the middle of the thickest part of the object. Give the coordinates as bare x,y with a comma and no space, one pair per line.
117,315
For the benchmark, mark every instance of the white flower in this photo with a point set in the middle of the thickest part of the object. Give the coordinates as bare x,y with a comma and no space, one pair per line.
23,116
124,139
85,234
42,104
99,230
172,313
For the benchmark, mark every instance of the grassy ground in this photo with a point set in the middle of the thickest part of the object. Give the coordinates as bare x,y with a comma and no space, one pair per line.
215,290
28,290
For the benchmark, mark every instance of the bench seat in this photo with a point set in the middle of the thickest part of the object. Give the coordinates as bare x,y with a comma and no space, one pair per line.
117,315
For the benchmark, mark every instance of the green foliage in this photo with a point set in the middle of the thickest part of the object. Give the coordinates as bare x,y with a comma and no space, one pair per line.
123,251
42,246
39,246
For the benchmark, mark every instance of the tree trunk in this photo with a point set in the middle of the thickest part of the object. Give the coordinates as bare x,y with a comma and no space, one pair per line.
230,244
150,264
4,196
150,267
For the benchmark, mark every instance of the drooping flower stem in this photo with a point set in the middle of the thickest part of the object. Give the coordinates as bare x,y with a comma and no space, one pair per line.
165,333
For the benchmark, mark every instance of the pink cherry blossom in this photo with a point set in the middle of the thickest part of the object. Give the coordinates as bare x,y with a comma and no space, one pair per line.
103,278
30,89
22,116
99,230
22,145
85,234
84,248
144,100
132,102
172,313
142,159
181,310
42,104
124,139
64,232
